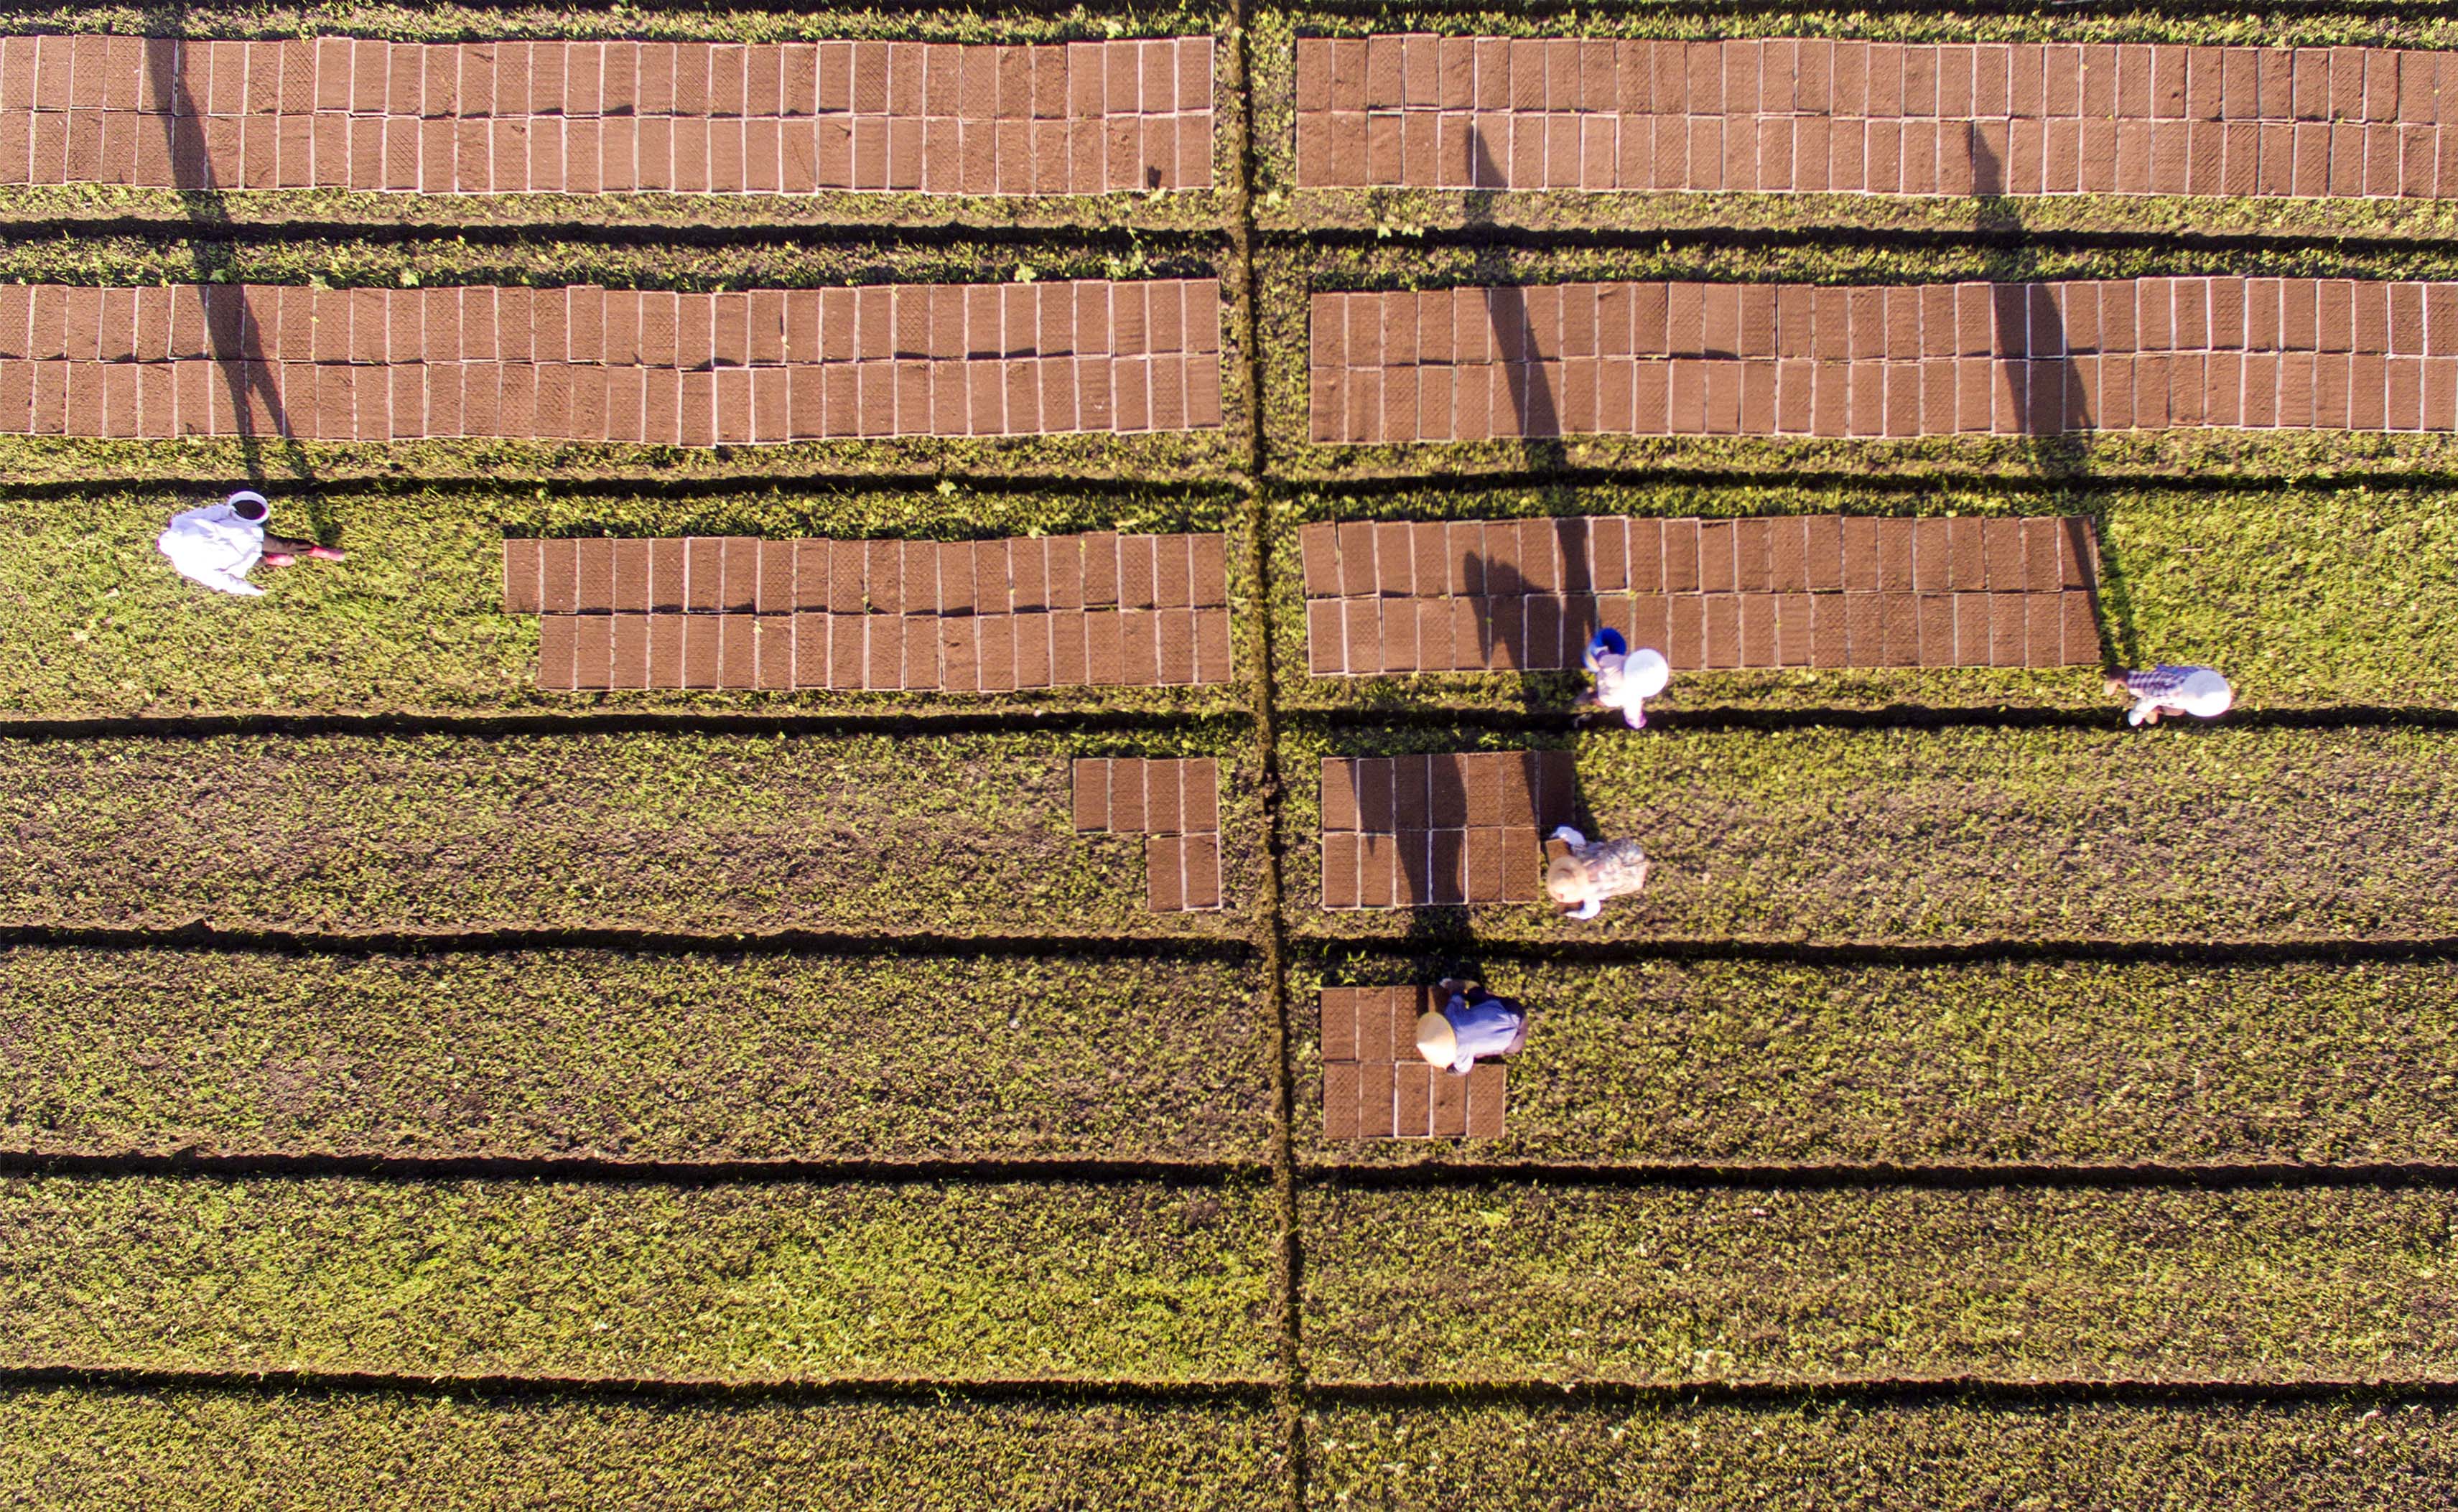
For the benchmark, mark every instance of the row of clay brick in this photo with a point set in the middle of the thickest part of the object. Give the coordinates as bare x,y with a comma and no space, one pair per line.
1370,637
1814,154
368,76
1135,795
616,155
885,653
2094,317
1381,1100
1183,873
653,405
588,325
1876,398
1947,80
1788,553
1418,868
744,574
1531,790
1372,1023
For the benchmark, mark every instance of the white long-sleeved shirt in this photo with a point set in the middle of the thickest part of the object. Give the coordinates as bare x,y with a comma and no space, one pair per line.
1616,689
213,546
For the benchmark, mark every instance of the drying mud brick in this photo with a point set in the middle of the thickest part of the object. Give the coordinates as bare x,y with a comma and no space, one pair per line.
503,364
1814,114
1176,804
592,117
1375,1083
1441,829
1729,593
1873,361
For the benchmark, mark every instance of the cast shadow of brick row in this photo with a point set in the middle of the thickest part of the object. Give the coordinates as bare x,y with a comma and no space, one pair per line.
1780,590
1455,829
1375,1085
1100,609
1176,806
614,117
1785,114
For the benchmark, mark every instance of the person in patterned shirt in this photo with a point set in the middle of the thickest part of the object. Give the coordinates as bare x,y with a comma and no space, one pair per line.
2168,690
1594,871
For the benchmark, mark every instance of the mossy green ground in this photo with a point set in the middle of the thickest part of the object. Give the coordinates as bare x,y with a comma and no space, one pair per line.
415,622
2050,1063
783,1282
581,1054
2308,597
111,1450
1810,1285
873,833
2324,1456
2195,835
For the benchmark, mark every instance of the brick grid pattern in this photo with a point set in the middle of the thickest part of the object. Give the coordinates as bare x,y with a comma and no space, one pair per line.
1877,117
1784,590
590,117
1375,1085
958,616
1176,806
1793,359
586,363
1402,832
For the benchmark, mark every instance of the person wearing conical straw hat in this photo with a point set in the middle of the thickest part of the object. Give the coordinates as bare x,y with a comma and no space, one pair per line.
216,543
1625,680
1470,1023
2168,690
1595,870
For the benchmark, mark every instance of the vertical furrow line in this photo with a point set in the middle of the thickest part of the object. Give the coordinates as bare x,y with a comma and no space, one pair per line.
1289,1391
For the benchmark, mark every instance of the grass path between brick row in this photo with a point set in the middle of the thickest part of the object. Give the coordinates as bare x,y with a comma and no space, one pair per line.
2067,1063
2225,1456
665,832
786,1282
634,1058
107,1449
414,621
1673,1284
2308,598
2202,834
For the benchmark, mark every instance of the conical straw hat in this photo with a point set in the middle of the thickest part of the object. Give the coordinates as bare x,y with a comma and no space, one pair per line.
1435,1041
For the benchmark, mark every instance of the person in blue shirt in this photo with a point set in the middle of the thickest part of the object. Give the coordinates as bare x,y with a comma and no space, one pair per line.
1470,1023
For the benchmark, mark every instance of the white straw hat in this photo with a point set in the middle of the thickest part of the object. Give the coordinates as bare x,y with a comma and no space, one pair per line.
2205,693
239,501
1647,671
1435,1041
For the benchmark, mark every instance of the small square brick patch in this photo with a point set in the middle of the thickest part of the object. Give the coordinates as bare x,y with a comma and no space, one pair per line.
1375,1085
1464,827
1176,804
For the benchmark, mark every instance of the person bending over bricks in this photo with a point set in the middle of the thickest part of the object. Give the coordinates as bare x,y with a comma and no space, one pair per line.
1472,1023
1594,871
216,543
2165,690
1625,678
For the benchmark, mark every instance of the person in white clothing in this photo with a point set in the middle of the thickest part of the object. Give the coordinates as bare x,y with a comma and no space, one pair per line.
216,543
1625,678
2169,689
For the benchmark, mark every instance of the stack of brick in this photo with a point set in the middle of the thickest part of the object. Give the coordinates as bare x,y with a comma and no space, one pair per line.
1375,1085
591,117
589,363
1810,114
1781,590
1398,831
1920,360
1176,806
960,616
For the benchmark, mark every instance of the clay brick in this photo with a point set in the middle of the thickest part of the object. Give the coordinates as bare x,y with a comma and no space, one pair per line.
1488,1091
1378,871
1092,793
1341,1093
1337,1016
558,638
1165,873
1449,1104
1413,1088
1485,865
524,562
1340,853
1377,1115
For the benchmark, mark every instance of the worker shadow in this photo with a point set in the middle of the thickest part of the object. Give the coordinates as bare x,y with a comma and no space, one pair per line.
1440,834
1534,633
235,339
1530,404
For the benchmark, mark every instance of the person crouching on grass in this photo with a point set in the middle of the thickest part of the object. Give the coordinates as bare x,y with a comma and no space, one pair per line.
2166,690
1470,1023
216,543
1594,871
1625,680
